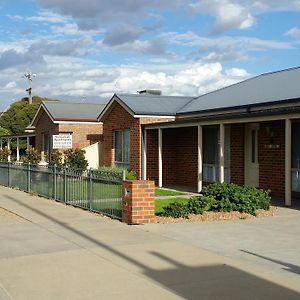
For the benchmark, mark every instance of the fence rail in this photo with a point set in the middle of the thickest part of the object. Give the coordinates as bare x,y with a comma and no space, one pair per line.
94,190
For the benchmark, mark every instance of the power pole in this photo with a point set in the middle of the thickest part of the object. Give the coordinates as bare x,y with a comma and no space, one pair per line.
29,76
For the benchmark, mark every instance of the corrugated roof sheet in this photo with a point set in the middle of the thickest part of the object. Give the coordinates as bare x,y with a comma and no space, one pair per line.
153,105
73,111
269,87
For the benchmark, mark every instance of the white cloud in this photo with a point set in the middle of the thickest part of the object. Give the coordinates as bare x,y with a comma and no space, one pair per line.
10,85
293,32
228,14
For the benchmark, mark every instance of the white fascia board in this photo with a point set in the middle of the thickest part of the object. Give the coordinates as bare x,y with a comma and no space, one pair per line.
226,121
77,122
114,99
36,114
154,116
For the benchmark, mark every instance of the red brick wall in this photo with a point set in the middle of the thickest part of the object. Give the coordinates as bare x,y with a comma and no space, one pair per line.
180,156
44,125
138,202
152,155
83,134
272,161
237,153
117,119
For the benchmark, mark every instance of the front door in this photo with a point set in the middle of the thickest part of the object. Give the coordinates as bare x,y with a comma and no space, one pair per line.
251,155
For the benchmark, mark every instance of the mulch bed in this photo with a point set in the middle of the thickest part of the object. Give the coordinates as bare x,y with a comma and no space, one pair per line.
218,216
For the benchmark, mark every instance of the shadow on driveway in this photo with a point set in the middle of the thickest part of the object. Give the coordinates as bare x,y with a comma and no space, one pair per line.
218,281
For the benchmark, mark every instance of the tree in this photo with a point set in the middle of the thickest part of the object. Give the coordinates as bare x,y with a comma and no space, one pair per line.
4,131
20,115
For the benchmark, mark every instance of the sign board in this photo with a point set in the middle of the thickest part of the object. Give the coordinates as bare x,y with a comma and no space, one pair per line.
62,141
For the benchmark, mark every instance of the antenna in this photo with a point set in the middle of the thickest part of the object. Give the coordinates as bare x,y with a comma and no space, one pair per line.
29,76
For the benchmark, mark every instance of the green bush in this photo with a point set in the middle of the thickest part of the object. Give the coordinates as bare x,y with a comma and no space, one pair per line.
56,159
118,172
231,197
222,197
75,159
176,210
32,156
198,205
4,154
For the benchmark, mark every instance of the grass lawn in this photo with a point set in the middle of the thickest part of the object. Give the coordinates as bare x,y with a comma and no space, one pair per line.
161,203
162,192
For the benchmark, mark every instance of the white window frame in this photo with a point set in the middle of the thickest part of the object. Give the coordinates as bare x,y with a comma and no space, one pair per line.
122,164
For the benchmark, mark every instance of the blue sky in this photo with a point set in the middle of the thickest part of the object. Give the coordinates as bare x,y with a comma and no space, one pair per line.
88,50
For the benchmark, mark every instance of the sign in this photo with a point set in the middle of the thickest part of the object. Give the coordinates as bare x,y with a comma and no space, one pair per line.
62,141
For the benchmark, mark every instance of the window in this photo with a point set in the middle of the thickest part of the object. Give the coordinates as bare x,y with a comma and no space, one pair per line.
122,148
46,142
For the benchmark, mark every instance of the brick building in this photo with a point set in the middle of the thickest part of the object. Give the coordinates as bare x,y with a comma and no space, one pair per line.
78,120
247,133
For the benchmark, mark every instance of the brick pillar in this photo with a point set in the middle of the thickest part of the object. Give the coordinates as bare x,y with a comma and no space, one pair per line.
138,202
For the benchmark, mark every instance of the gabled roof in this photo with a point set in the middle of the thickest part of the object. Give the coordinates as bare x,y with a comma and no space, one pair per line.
66,111
266,88
153,105
263,90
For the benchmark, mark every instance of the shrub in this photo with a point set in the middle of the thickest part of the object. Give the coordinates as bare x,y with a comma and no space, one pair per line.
56,158
117,172
75,159
231,197
198,205
32,156
4,154
176,210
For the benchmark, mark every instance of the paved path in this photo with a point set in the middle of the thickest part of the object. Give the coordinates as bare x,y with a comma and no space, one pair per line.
273,243
52,251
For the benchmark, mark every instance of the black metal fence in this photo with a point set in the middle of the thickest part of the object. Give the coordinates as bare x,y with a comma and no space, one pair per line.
98,191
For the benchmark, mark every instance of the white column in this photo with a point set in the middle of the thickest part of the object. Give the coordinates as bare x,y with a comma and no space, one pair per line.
288,162
28,141
8,147
144,175
160,183
200,163
221,152
18,150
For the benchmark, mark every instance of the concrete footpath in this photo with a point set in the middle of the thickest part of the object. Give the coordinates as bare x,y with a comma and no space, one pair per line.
52,251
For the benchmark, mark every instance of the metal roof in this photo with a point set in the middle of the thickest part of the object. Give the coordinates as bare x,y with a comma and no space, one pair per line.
262,89
67,111
144,104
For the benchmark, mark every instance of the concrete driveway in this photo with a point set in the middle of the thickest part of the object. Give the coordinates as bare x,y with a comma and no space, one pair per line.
272,243
52,251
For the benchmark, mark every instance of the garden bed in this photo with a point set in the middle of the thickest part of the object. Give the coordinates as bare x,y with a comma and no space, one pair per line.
217,216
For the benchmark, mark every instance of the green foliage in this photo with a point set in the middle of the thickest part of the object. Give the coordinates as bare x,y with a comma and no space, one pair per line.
4,154
131,175
231,197
20,114
222,197
75,159
160,204
4,131
32,156
118,172
176,210
198,205
56,158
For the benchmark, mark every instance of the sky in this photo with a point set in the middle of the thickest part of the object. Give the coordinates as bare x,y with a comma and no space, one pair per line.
87,50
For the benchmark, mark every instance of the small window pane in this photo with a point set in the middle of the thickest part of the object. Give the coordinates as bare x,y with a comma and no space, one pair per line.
126,146
118,146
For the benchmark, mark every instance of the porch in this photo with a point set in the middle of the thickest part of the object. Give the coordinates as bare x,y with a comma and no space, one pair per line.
261,152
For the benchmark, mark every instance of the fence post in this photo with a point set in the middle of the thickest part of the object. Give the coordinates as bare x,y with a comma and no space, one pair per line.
9,175
54,182
124,175
65,185
28,177
90,191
